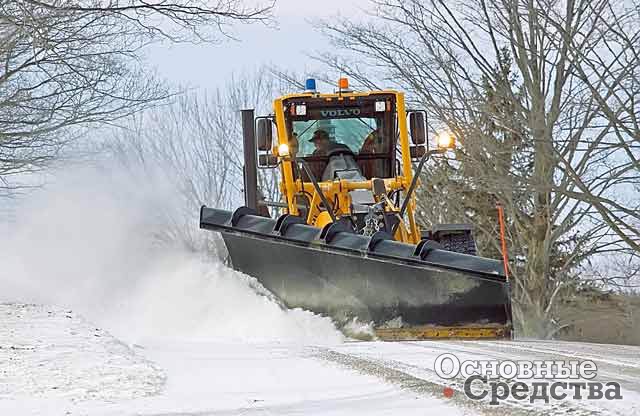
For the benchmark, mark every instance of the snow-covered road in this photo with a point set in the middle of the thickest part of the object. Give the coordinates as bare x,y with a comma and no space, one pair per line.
412,363
53,362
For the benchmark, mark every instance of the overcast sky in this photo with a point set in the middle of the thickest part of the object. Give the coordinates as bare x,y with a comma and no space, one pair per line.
208,66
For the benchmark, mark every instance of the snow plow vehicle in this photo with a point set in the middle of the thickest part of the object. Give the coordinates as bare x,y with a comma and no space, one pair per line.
347,243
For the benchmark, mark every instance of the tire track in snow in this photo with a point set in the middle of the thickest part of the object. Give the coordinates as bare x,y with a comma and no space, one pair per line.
374,360
392,372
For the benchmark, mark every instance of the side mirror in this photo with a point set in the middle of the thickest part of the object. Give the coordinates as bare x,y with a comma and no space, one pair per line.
266,161
264,143
417,152
418,127
264,133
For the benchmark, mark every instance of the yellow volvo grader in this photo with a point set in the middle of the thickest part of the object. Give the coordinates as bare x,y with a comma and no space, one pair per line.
348,244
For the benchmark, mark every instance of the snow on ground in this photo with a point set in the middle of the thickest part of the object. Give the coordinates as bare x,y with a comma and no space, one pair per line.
47,352
416,360
55,363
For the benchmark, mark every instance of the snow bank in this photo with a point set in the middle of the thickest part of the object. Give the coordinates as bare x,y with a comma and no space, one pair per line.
52,353
88,242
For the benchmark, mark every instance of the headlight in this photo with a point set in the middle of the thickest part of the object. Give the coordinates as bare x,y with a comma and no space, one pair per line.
283,150
445,140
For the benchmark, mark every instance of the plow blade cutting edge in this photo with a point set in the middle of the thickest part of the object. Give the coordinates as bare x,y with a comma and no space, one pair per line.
406,291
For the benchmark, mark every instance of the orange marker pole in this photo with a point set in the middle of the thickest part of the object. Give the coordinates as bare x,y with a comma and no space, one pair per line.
503,241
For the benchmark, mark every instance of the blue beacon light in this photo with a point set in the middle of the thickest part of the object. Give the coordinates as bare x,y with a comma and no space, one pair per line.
310,84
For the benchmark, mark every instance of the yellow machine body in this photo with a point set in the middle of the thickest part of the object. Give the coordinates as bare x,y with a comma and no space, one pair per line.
346,243
338,190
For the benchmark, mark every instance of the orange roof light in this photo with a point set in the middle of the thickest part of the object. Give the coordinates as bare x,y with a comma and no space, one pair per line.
343,83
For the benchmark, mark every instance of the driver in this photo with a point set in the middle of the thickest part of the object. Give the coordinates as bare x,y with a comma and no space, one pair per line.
321,141
370,143
374,142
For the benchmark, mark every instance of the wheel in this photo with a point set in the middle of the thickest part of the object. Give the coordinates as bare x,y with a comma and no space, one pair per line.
461,242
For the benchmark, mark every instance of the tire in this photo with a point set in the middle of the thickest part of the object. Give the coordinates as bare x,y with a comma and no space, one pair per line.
459,242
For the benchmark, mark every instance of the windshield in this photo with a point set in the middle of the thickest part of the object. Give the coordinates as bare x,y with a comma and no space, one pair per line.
318,127
362,135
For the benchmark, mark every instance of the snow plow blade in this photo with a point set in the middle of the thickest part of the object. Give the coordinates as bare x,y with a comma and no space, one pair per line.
408,292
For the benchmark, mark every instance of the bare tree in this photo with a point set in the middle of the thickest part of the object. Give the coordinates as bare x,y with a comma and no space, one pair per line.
195,146
543,96
67,65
